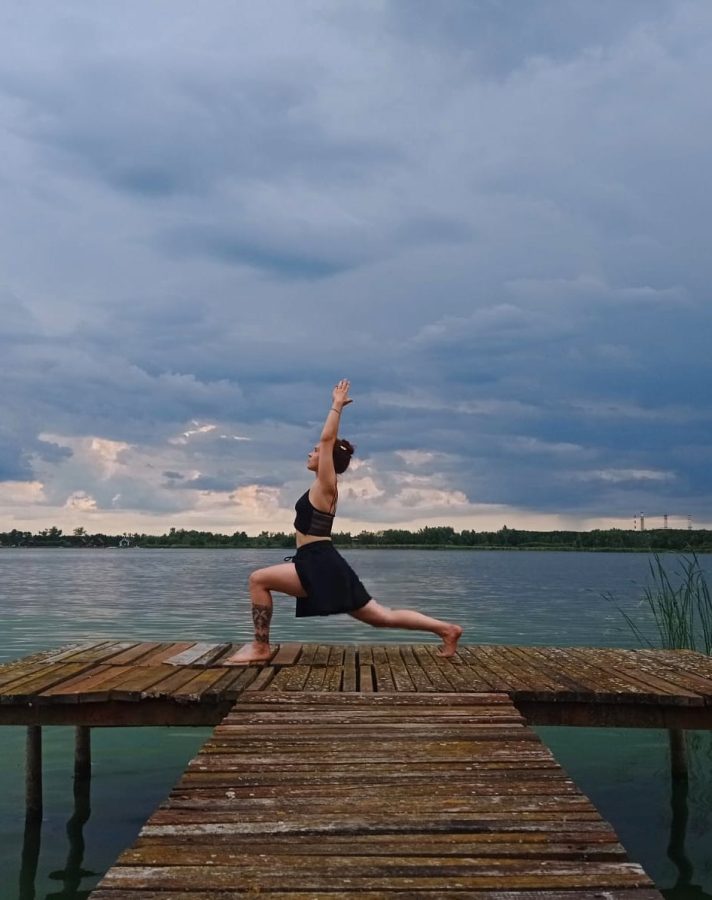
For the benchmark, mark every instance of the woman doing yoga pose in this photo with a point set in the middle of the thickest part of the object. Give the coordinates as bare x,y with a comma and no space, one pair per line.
319,577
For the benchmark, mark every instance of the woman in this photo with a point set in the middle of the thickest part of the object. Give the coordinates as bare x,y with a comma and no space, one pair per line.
319,577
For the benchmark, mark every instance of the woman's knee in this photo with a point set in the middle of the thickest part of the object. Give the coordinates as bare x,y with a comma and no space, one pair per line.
258,578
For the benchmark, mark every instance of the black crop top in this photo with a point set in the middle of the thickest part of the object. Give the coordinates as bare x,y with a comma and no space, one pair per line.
310,520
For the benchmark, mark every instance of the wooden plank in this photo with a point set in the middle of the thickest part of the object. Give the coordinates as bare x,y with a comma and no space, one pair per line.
286,655
568,685
307,655
350,680
678,666
614,686
365,655
291,679
437,677
402,679
332,678
321,657
165,687
262,681
336,656
135,685
216,655
546,680
70,690
19,671
417,674
232,683
26,688
481,661
90,651
653,674
195,689
315,794
366,680
194,653
383,677
389,701
335,894
315,678
165,651
134,654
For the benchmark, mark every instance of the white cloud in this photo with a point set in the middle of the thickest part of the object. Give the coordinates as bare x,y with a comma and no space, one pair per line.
619,476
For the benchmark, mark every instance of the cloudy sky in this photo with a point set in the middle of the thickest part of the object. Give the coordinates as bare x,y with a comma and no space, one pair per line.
493,217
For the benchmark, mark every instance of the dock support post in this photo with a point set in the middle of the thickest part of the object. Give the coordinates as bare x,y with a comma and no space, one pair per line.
33,774
678,754
82,753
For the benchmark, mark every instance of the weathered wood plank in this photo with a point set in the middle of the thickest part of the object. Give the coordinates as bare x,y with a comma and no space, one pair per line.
417,674
414,894
366,680
291,679
165,651
262,681
232,683
29,686
383,677
307,655
134,655
192,654
350,679
411,793
286,655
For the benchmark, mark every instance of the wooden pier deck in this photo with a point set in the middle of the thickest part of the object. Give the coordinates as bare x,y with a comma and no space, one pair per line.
363,770
154,683
335,795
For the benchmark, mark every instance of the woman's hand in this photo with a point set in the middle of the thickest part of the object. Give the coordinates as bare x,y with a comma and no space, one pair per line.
340,394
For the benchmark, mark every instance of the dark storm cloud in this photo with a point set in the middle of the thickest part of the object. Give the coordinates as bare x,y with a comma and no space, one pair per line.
496,37
234,249
159,127
491,216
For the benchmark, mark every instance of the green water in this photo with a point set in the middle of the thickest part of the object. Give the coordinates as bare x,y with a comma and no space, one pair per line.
49,598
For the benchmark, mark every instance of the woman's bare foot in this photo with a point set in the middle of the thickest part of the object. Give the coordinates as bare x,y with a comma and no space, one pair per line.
450,639
249,654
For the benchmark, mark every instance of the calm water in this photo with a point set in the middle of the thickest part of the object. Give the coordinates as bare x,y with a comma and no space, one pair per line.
49,598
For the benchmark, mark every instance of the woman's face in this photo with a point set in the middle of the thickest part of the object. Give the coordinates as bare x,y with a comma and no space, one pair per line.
313,460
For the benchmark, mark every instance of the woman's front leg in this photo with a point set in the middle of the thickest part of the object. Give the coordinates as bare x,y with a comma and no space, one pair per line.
282,578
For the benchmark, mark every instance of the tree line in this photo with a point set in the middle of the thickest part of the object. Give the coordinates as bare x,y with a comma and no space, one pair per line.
437,536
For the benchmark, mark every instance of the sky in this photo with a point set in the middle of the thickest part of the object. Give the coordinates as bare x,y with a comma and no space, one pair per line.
492,217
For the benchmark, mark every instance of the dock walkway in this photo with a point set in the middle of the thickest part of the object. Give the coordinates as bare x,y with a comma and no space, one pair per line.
310,795
185,683
363,771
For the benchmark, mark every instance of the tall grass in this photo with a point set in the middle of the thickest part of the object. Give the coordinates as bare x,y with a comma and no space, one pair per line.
680,604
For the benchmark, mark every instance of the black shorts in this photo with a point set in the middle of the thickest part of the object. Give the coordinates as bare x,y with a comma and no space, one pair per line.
330,583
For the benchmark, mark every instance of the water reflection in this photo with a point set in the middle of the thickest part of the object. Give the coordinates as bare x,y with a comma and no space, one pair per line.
73,873
31,845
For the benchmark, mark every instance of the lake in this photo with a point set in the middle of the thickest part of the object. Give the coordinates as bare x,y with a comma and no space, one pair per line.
53,597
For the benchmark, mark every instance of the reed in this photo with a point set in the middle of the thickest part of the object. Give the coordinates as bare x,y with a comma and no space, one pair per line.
680,604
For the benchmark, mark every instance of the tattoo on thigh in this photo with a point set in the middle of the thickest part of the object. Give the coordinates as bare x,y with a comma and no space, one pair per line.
261,617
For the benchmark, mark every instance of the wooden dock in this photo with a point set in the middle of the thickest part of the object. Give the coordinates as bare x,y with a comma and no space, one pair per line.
184,683
311,795
363,770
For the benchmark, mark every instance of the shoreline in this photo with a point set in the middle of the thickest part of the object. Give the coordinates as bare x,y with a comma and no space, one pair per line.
564,548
